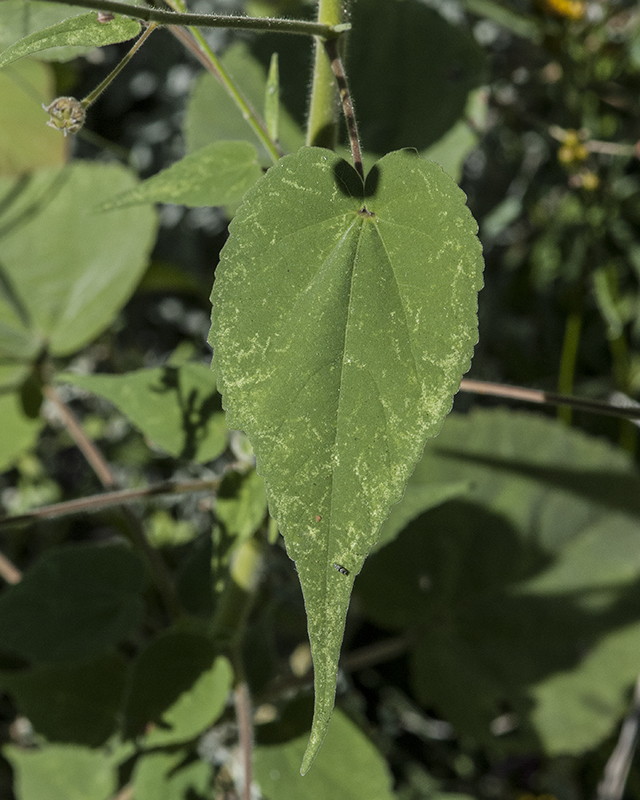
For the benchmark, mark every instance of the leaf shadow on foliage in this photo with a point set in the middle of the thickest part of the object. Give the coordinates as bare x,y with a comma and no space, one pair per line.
168,666
196,409
480,644
617,491
190,759
410,72
8,293
46,196
294,721
350,183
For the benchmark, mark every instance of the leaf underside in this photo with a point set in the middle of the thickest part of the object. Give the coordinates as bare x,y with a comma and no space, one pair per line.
344,316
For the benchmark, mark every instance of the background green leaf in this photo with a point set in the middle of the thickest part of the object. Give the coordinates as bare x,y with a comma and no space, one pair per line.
241,503
78,31
213,116
410,72
521,591
216,175
164,671
177,408
75,602
329,297
348,766
66,271
62,772
195,709
26,144
167,776
17,431
452,149
77,703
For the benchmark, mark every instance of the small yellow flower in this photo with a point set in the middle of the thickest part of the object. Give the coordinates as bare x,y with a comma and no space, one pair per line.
570,9
573,149
67,114
590,181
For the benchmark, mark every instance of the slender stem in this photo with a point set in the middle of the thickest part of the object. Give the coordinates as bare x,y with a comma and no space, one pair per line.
331,48
620,357
237,598
368,656
228,627
568,360
621,364
548,398
8,570
161,576
97,502
122,497
612,148
611,787
242,702
198,45
88,449
93,96
322,123
162,17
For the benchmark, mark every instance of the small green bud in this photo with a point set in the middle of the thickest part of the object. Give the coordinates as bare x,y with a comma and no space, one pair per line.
67,114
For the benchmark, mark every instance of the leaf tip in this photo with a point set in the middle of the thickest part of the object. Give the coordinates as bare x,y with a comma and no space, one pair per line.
309,756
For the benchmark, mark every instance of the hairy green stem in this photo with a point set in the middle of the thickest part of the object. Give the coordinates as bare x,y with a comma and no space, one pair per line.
210,61
568,360
93,96
260,24
322,122
331,48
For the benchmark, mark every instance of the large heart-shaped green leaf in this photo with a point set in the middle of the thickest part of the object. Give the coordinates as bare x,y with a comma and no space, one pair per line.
344,315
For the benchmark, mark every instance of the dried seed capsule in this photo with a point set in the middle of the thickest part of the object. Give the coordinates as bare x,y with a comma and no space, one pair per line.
67,114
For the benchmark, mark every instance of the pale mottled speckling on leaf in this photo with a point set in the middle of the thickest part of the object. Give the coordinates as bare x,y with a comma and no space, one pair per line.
339,341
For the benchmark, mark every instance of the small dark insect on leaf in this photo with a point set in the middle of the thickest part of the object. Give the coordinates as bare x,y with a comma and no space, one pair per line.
342,570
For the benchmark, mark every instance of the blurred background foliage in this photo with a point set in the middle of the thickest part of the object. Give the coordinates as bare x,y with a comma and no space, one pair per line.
494,637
